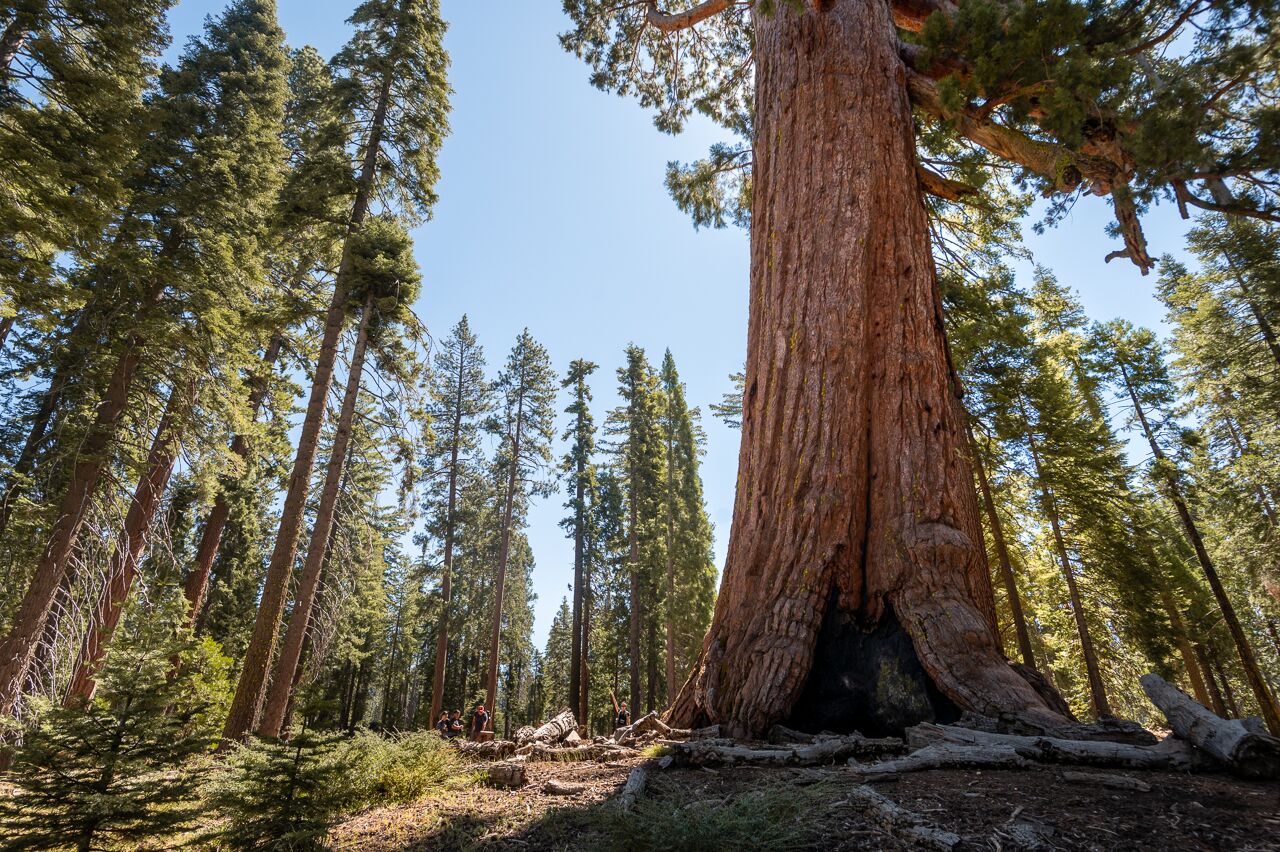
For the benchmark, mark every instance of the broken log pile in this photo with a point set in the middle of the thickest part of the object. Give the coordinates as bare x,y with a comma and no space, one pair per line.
1200,741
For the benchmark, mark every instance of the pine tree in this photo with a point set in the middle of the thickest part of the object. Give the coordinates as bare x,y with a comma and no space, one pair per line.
197,252
281,795
392,86
1139,360
383,283
639,459
460,401
690,566
579,469
116,770
526,389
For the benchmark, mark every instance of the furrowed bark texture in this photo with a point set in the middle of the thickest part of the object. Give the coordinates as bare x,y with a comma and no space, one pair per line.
855,503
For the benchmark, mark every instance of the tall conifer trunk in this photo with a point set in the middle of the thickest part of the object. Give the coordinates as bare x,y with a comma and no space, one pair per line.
19,646
1185,650
211,535
634,606
250,689
446,578
1171,477
504,555
1002,558
576,644
671,565
855,533
309,581
132,542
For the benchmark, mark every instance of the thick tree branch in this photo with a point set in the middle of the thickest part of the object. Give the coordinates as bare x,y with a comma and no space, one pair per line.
910,15
670,22
944,187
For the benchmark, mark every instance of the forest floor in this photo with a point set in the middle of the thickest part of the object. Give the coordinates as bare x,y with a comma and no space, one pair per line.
746,807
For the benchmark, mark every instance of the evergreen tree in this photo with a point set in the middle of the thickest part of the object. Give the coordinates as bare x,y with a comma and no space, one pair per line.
579,469
640,461
392,86
526,390
690,566
116,769
191,252
460,401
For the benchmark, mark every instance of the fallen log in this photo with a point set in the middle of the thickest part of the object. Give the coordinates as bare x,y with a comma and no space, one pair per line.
562,788
899,822
1167,754
632,790
829,749
552,731
492,750
506,774
945,755
1106,729
1238,745
647,724
590,751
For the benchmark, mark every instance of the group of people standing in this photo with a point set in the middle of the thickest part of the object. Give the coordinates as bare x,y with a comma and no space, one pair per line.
450,723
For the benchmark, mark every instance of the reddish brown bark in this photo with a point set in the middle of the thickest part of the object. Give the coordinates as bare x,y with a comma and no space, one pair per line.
19,646
123,566
309,581
636,603
6,326
856,517
215,525
1002,559
671,566
1216,704
250,689
1266,703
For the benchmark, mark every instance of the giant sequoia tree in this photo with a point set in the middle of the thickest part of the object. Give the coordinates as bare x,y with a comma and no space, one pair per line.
855,556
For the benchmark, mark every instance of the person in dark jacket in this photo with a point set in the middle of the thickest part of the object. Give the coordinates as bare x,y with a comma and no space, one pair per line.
442,724
479,721
624,717
456,728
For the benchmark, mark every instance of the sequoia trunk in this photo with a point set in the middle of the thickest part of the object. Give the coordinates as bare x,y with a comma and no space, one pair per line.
855,592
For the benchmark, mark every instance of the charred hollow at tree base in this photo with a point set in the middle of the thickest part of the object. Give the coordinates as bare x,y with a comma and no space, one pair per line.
869,681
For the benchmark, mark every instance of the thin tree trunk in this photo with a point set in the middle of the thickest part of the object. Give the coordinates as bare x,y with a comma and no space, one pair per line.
250,689
197,584
6,326
633,561
132,541
446,580
671,566
309,581
1183,641
575,651
584,706
504,553
1002,558
18,647
1266,704
1097,692
1217,705
855,504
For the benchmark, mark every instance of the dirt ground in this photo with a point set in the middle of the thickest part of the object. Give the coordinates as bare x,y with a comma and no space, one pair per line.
774,808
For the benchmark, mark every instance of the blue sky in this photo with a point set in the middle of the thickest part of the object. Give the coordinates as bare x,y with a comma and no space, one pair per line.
553,216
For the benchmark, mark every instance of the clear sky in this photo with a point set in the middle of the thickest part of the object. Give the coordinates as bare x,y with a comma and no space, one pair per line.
553,216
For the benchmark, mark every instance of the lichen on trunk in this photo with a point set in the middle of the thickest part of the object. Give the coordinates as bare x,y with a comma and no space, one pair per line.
855,495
